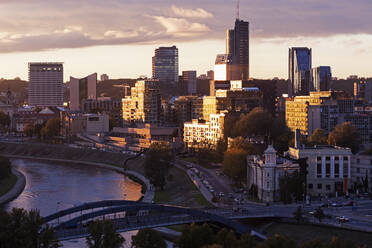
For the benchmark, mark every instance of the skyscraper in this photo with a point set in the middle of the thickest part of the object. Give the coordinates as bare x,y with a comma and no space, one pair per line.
45,84
189,77
299,70
82,89
237,45
321,78
165,64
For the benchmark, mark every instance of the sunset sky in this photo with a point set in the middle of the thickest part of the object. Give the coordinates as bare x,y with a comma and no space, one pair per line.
118,37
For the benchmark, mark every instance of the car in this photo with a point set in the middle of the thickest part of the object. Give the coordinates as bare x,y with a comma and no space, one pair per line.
336,204
312,212
342,219
349,203
221,194
231,195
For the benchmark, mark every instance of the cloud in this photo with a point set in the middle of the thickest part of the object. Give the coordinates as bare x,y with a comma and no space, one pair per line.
180,26
191,13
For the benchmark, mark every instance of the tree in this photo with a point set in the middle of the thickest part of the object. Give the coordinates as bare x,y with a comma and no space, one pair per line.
37,130
102,234
319,137
20,228
157,163
4,120
298,214
29,129
220,149
196,236
5,167
319,214
313,244
148,238
52,128
247,241
345,135
234,164
278,242
227,239
258,122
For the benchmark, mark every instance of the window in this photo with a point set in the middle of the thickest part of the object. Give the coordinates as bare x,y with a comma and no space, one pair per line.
346,158
358,170
319,159
337,170
320,186
328,187
328,158
319,170
358,161
328,170
310,186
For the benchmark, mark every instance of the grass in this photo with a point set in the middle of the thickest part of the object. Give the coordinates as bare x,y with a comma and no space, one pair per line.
301,233
7,184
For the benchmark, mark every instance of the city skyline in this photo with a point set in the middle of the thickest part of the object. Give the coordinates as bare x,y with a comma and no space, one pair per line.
82,35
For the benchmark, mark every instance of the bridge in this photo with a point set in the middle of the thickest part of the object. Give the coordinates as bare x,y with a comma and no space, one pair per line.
73,223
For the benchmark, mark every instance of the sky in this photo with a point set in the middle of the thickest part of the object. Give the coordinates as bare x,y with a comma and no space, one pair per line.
118,37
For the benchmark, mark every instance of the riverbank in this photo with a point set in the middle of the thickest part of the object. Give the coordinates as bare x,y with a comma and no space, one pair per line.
16,184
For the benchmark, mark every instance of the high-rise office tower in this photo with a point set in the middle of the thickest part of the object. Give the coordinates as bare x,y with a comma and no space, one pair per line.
299,70
223,67
82,89
321,78
45,84
237,45
165,64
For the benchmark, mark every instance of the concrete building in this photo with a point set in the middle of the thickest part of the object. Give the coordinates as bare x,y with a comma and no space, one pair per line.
73,123
329,168
299,70
189,77
265,173
104,77
144,135
361,169
144,103
105,105
200,133
321,78
363,91
45,84
223,69
165,64
81,90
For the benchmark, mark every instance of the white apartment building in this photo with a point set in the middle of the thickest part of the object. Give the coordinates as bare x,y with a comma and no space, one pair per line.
45,84
200,133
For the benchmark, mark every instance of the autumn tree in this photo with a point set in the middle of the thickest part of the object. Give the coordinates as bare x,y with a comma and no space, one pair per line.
196,236
102,234
345,135
319,137
51,129
148,238
29,129
4,120
234,164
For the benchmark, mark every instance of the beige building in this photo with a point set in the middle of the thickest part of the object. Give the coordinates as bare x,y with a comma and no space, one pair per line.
264,173
200,133
144,104
322,109
329,168
73,123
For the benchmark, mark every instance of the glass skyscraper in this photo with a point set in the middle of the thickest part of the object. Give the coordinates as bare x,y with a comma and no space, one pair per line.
165,64
237,45
321,77
299,78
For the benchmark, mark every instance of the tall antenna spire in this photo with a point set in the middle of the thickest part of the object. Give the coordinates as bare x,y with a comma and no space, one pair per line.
237,10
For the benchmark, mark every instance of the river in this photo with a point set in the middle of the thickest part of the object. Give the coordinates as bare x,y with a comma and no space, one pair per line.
55,186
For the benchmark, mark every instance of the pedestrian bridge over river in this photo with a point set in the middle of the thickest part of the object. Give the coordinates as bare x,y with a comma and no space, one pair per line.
73,223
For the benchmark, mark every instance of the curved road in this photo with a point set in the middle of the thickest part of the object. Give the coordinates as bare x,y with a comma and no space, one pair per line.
51,187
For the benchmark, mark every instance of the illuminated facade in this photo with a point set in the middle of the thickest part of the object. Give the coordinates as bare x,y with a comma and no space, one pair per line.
144,105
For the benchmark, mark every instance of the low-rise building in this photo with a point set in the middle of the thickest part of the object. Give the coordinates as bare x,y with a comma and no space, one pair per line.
200,133
265,173
361,172
73,123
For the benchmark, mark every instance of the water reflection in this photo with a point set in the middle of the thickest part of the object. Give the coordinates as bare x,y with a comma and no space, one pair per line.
51,187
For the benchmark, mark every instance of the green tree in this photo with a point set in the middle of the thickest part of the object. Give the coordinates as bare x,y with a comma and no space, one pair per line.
336,242
227,239
345,135
298,214
157,163
29,129
234,164
220,150
319,137
313,244
319,214
4,120
195,236
37,130
148,238
102,234
5,167
258,122
247,241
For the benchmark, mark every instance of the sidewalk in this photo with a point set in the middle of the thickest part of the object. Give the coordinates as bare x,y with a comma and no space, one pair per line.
16,190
